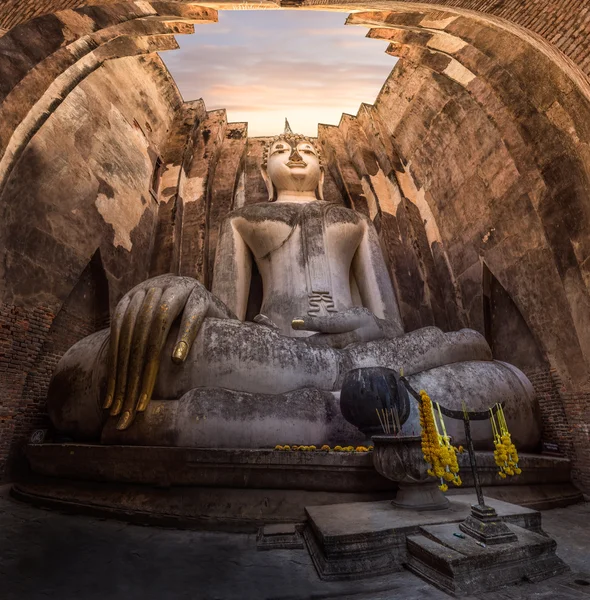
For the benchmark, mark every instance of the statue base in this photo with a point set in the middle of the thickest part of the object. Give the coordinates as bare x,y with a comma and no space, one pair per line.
224,489
242,489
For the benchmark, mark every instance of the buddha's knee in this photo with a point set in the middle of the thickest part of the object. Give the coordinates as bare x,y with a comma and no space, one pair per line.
75,396
420,350
480,385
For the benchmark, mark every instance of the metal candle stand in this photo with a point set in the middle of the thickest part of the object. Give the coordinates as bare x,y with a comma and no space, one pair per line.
483,524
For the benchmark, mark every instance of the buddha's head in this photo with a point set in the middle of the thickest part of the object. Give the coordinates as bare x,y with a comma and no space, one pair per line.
292,163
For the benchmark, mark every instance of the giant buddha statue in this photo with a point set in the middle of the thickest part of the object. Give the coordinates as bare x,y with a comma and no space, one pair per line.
181,367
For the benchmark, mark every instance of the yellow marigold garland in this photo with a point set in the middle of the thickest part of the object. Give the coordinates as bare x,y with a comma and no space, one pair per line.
324,448
505,454
437,448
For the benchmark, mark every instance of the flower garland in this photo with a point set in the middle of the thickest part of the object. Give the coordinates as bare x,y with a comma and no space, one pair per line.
505,454
324,448
437,448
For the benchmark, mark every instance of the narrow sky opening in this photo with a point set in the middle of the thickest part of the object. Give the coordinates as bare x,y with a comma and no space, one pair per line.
265,65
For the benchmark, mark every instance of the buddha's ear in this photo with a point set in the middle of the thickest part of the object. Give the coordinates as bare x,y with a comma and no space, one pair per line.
269,186
321,184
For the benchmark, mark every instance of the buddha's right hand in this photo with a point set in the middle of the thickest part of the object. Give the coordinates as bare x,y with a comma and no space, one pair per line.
139,329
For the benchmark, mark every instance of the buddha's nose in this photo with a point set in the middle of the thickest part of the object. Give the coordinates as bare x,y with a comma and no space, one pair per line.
295,156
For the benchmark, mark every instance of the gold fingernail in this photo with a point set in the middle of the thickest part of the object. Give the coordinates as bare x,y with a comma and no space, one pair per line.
125,420
108,401
117,406
143,403
297,323
180,352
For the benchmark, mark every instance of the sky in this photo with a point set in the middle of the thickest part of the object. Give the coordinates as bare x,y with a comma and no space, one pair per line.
265,65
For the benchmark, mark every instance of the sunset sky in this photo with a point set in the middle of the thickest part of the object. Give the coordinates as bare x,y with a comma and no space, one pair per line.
263,66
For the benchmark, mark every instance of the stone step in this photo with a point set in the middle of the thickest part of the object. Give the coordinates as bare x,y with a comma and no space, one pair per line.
356,540
280,536
462,566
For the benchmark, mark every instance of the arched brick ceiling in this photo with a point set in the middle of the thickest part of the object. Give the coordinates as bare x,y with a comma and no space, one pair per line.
563,23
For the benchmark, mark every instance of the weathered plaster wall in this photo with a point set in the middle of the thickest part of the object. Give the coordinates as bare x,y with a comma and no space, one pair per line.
82,185
84,182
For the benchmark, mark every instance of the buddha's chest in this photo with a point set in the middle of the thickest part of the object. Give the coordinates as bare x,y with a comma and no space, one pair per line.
305,233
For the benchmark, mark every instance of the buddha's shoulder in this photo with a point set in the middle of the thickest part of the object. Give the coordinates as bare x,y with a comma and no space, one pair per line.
338,213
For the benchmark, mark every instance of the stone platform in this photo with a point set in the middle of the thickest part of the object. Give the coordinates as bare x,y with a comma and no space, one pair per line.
228,468
231,490
367,539
462,566
241,489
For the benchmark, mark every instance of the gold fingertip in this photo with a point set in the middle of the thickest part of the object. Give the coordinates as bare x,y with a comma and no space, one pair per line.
143,403
125,420
108,401
180,352
296,323
117,406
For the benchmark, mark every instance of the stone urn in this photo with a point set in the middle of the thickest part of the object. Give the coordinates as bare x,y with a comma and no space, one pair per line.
400,459
368,390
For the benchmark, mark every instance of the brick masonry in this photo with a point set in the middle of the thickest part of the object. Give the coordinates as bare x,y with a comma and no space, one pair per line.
31,344
566,419
23,334
563,23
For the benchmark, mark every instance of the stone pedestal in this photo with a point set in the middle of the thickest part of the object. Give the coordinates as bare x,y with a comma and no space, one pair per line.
485,526
366,539
400,459
460,565
425,495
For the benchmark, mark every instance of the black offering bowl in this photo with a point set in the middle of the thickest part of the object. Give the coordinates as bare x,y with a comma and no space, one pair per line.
369,390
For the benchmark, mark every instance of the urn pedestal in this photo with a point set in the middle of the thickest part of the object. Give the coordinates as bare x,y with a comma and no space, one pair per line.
400,459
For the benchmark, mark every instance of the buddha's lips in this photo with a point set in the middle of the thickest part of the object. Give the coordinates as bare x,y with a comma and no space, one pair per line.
296,163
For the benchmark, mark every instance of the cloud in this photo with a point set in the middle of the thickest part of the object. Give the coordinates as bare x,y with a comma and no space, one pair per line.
305,65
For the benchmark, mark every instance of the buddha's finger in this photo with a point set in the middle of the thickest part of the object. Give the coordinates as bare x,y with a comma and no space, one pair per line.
138,352
124,350
336,323
116,324
171,303
193,316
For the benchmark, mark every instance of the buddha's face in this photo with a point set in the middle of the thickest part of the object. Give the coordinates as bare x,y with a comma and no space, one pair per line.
294,166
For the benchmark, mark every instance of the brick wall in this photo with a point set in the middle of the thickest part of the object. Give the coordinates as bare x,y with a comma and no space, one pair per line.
577,408
23,333
549,394
32,340
566,420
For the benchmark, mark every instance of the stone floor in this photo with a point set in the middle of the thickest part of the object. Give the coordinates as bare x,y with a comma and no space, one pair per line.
46,555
